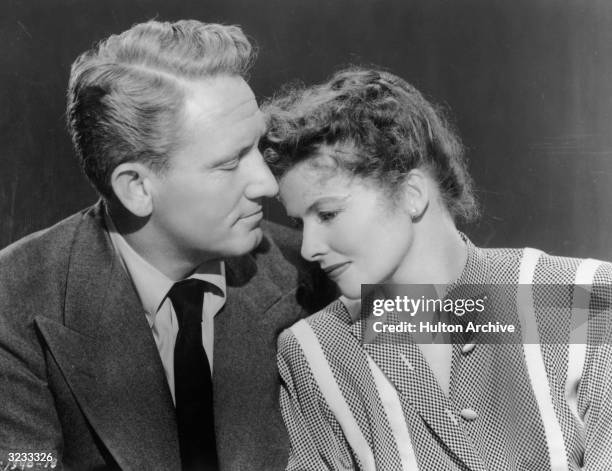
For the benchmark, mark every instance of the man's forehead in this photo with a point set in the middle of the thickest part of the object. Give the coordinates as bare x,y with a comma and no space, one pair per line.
219,98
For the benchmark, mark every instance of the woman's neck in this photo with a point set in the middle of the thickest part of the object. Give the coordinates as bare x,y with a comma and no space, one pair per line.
437,256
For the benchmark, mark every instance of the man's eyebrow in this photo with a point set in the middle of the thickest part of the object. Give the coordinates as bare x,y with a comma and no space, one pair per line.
241,151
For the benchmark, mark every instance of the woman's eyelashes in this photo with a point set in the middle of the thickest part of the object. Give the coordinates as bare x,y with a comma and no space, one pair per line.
327,216
322,216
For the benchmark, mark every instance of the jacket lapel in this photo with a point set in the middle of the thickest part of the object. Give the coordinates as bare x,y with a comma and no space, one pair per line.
408,371
404,365
247,418
108,356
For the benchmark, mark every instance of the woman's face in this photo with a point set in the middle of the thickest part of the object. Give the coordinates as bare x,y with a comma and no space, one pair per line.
350,227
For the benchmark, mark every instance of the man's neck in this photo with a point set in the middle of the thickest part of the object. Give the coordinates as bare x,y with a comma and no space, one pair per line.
138,234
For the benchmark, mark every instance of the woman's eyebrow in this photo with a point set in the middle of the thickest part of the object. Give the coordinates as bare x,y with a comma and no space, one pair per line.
327,199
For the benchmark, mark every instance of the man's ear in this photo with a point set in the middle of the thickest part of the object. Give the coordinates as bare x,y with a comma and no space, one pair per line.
417,192
131,182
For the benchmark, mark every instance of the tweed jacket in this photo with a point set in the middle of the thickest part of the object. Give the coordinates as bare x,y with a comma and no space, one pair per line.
80,374
543,405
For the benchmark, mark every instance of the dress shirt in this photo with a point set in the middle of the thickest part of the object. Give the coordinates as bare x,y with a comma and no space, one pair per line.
152,287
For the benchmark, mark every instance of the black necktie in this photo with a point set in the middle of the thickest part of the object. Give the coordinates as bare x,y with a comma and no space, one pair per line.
192,380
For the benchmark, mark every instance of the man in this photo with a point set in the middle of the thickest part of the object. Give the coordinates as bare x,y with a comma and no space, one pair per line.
101,362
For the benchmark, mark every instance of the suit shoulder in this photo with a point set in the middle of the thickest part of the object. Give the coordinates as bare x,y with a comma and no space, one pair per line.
57,236
41,250
33,271
286,239
281,233
280,264
279,252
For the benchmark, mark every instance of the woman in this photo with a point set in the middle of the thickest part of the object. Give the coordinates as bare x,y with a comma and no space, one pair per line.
376,177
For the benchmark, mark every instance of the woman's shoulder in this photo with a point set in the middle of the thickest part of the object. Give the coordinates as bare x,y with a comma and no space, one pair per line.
550,268
334,316
332,313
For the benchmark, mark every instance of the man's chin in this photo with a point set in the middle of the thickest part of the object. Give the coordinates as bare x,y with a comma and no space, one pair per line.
237,246
257,236
249,243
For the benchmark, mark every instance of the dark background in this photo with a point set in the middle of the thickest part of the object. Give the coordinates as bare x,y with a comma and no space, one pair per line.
528,82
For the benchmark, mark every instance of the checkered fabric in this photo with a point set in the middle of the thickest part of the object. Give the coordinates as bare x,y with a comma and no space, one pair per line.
510,407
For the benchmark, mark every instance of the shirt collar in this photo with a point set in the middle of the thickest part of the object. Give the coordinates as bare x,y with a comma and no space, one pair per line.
475,275
152,285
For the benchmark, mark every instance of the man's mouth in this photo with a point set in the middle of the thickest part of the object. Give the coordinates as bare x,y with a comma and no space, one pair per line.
258,213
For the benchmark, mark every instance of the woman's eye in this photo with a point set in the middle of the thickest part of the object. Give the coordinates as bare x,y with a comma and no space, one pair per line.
326,216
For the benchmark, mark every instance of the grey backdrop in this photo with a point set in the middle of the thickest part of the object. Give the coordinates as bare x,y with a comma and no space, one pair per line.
528,82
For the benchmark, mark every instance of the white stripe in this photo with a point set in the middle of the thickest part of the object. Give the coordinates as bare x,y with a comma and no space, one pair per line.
328,386
395,414
578,336
535,362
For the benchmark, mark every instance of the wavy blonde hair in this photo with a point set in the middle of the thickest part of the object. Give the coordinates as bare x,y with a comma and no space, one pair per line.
126,95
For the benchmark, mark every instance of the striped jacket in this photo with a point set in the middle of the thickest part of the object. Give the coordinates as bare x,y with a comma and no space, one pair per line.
538,406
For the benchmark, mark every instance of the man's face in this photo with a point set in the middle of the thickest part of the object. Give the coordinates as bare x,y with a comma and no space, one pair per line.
206,205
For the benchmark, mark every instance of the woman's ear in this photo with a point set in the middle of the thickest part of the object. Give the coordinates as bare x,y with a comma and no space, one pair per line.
132,185
417,192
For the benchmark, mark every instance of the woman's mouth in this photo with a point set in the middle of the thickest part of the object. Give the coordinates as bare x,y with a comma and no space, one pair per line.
335,270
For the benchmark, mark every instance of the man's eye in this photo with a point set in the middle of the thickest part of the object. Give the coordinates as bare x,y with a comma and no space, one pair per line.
326,216
231,165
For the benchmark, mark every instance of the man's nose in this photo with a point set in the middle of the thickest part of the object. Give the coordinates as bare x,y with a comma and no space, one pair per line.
262,182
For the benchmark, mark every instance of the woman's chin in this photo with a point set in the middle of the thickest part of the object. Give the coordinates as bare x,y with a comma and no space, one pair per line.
351,292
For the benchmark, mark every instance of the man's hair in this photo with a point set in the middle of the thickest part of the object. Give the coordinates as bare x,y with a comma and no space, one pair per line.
126,94
380,126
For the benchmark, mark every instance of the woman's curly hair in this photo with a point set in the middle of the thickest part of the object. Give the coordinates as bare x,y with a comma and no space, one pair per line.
383,125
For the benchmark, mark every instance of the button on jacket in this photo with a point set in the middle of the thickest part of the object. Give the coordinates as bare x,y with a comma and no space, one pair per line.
537,406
